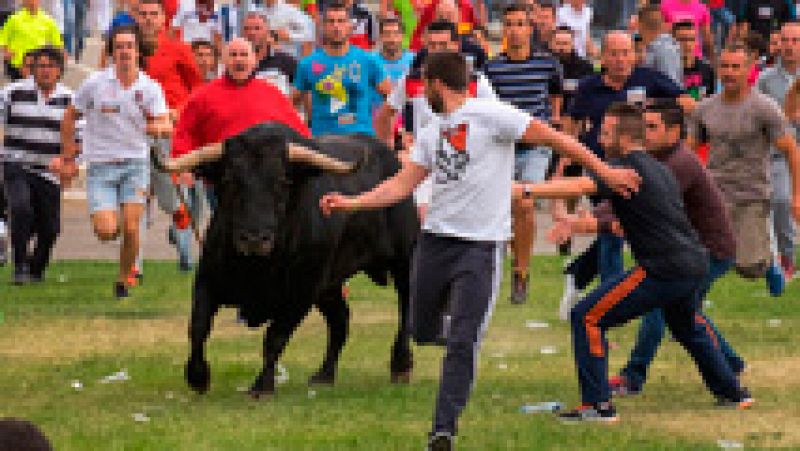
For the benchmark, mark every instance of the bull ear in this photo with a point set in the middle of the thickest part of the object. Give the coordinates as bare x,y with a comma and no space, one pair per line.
185,163
302,154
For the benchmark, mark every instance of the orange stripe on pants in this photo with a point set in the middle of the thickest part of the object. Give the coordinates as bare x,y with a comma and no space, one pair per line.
606,303
700,320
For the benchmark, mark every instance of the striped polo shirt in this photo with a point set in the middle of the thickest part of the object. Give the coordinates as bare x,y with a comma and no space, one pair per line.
526,84
33,122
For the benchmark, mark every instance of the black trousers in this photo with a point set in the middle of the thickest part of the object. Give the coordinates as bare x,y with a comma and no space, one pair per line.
34,209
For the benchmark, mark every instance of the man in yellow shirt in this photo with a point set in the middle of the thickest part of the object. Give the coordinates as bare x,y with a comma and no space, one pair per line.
28,29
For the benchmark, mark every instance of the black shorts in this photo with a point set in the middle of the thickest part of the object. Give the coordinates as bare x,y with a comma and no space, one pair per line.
456,277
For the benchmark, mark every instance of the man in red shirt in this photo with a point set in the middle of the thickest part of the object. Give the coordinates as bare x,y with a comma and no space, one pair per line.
170,62
232,103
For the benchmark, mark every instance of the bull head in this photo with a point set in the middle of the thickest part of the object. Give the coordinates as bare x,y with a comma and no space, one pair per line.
255,186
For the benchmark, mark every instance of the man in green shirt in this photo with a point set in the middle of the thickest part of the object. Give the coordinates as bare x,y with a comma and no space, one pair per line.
28,29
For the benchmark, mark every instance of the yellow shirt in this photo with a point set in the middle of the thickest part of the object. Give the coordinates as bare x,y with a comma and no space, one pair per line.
24,32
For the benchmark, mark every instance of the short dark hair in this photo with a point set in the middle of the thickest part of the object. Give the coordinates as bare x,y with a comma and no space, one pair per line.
448,67
564,29
52,53
515,8
440,26
737,47
389,21
548,4
152,2
335,6
22,435
126,29
671,113
198,44
650,16
682,25
631,120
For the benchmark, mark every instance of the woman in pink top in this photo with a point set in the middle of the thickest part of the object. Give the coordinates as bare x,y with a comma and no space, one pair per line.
696,12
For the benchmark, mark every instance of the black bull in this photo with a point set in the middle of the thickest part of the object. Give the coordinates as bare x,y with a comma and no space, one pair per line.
271,253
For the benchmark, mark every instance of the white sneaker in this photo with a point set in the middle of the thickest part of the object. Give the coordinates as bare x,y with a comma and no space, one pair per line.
569,299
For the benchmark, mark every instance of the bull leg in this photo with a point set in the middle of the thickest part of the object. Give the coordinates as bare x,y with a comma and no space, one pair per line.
337,317
198,373
275,340
402,361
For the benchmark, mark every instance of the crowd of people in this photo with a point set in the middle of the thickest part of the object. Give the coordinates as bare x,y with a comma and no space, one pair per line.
677,129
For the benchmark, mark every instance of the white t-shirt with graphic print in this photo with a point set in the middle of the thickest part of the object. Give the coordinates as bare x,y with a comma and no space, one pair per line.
470,154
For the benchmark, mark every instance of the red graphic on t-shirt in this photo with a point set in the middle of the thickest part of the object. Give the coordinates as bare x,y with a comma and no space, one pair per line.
457,137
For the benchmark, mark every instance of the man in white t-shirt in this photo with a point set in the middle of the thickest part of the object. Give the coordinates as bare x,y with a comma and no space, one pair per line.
121,106
577,15
200,23
469,153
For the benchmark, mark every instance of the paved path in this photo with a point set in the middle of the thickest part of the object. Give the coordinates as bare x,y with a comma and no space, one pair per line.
78,242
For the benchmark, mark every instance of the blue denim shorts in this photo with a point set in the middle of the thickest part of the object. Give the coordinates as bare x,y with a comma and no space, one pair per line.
530,165
109,185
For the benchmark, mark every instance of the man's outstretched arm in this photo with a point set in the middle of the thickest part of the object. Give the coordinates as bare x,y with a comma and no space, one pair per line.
387,193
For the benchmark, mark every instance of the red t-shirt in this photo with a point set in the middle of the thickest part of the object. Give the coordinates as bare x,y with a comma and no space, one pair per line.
174,68
222,108
466,17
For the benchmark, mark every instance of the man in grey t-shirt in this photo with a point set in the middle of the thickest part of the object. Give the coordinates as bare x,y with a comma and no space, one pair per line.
469,153
740,125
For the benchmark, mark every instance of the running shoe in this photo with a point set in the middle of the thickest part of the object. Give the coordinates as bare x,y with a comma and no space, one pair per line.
620,386
744,401
121,290
602,412
775,280
519,288
440,441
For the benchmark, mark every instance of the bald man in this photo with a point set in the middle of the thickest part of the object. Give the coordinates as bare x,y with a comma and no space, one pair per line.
232,103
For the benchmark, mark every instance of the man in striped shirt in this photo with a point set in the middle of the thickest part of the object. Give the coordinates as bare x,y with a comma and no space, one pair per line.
529,79
33,108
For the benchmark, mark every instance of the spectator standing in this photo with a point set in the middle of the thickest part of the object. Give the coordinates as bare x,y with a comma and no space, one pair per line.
529,79
699,79
122,105
207,59
544,24
775,83
33,109
27,29
577,15
337,80
764,16
199,23
292,29
396,60
404,10
661,51
275,66
697,13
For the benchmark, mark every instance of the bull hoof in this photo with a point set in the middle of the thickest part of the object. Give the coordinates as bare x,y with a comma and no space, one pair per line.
198,375
401,377
322,378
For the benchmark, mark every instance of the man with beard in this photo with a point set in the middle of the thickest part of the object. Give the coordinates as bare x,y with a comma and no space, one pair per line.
273,65
469,152
122,106
337,81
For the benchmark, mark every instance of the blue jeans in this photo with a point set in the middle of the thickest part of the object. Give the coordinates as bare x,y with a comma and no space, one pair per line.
74,26
609,262
651,332
633,294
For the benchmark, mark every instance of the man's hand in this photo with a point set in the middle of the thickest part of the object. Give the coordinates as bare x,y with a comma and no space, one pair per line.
65,168
159,129
561,231
623,181
333,202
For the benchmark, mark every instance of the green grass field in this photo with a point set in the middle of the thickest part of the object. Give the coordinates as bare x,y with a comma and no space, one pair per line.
71,329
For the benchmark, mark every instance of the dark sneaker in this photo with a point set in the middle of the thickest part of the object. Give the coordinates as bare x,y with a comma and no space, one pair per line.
602,412
565,248
36,278
745,401
519,288
121,290
3,250
21,278
620,386
440,441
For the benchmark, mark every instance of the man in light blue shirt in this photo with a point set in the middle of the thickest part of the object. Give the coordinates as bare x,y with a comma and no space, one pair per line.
395,59
337,81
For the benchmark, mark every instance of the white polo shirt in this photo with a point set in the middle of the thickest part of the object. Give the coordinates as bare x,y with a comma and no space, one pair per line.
116,118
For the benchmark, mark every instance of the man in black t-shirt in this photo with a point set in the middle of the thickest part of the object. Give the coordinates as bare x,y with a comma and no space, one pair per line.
274,66
672,264
764,16
698,75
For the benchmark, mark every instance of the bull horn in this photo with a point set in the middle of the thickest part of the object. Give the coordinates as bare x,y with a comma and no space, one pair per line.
189,161
301,153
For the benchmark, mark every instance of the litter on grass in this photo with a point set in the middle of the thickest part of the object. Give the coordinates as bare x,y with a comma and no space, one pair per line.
729,444
76,384
774,323
140,417
542,407
119,376
502,366
312,394
548,350
535,324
